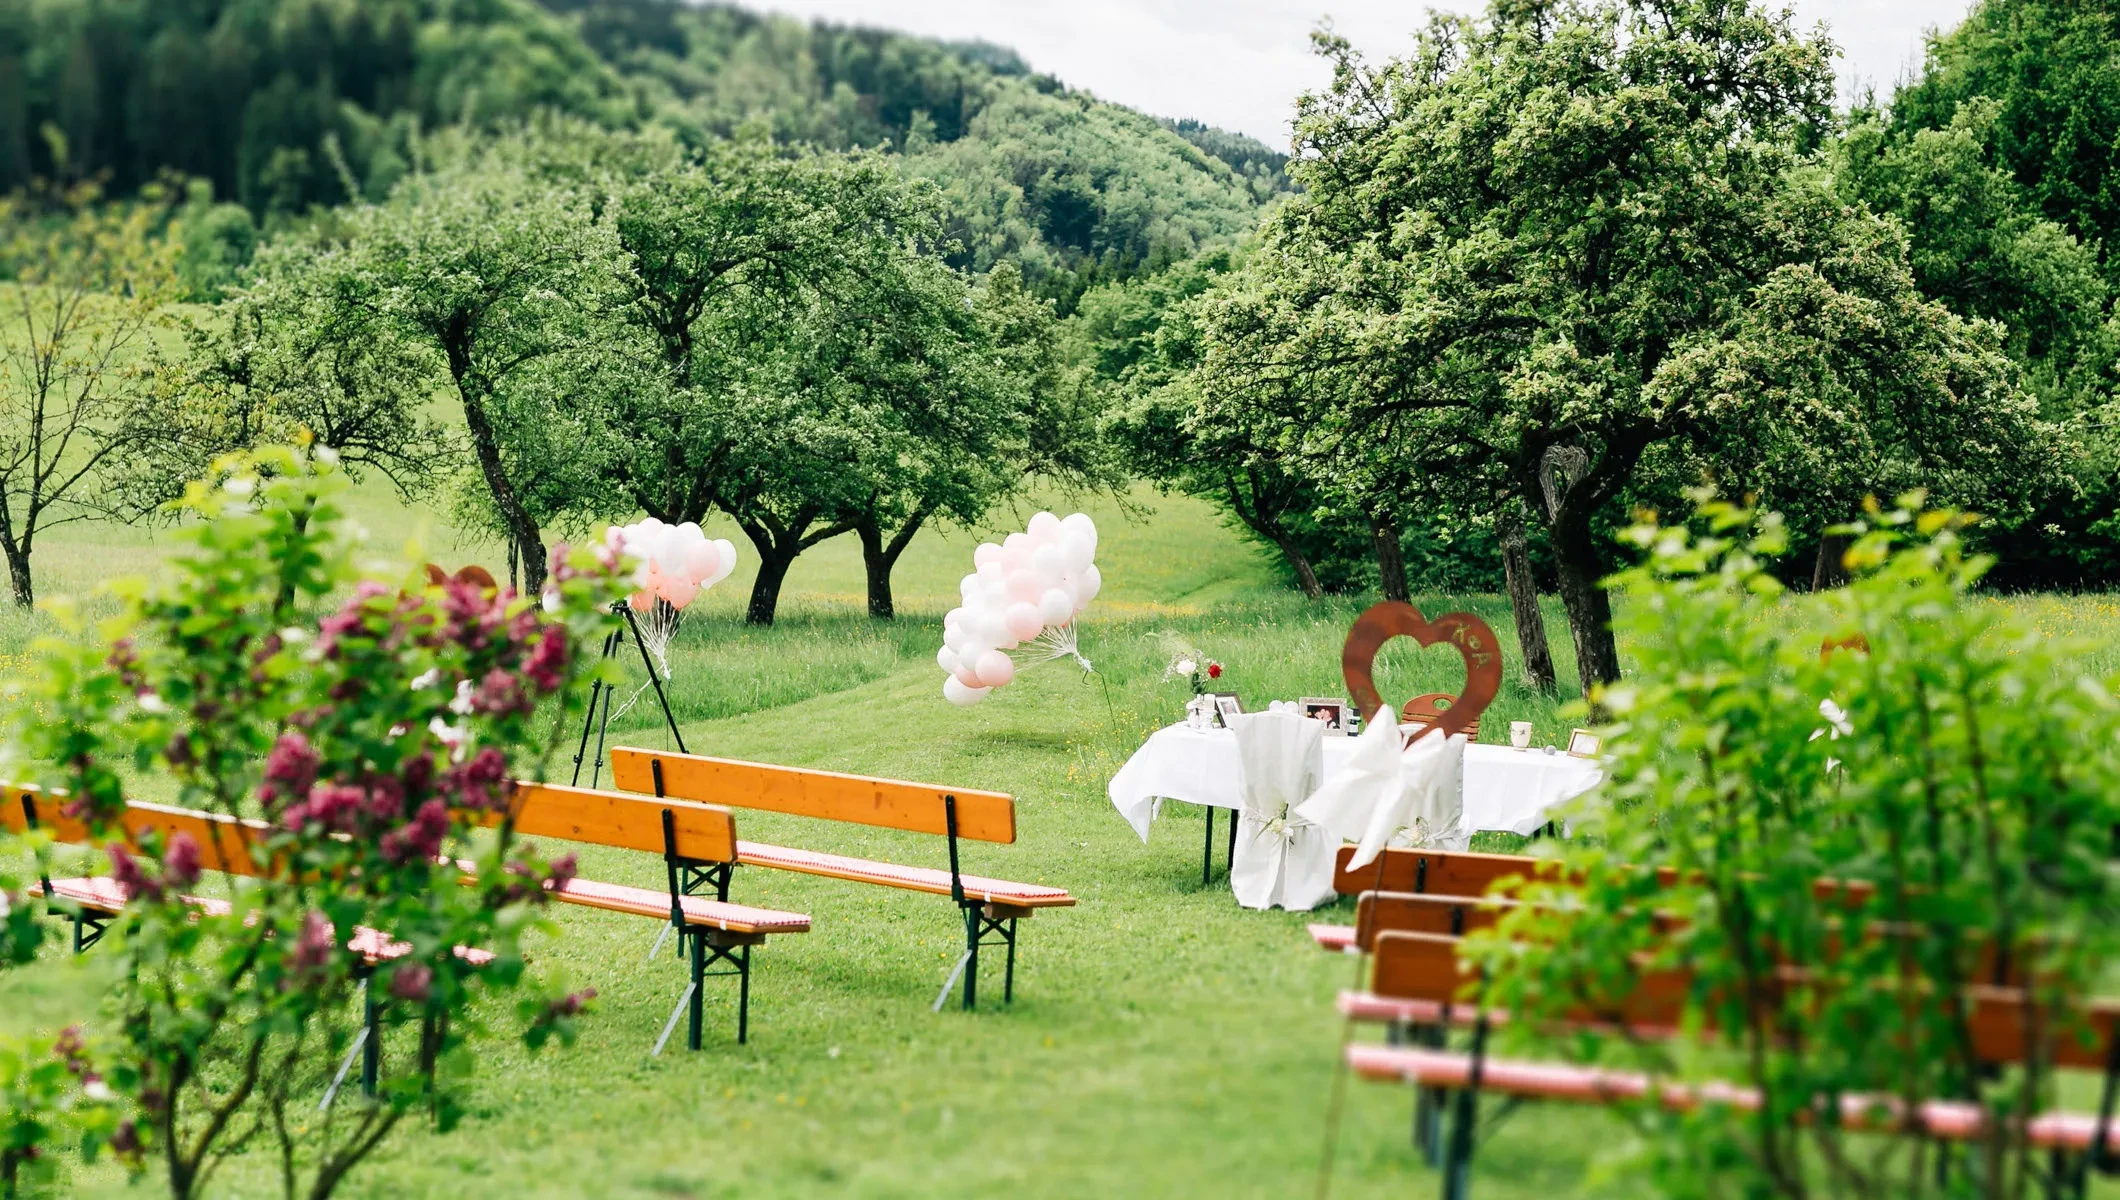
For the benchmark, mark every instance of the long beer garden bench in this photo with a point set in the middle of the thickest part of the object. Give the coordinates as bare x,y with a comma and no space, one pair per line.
989,908
688,837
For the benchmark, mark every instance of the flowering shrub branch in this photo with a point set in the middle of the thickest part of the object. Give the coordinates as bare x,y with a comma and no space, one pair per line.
1965,767
374,729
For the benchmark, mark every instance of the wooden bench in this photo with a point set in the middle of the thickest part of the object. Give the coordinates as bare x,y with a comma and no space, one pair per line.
1421,979
689,837
1460,873
227,845
988,906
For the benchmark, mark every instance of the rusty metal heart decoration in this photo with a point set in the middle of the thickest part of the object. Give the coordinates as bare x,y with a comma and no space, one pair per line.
1463,632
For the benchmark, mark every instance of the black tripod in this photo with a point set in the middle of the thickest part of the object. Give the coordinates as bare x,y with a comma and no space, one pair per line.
600,694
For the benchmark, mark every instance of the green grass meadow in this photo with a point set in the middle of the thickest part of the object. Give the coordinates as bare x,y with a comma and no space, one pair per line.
1163,1042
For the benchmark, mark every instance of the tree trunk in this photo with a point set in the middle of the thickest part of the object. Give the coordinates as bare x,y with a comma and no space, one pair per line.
514,557
773,564
879,558
18,575
1306,577
1391,559
1523,603
1828,571
486,444
1589,607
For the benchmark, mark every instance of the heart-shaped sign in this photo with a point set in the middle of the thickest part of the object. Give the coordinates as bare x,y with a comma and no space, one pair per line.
1464,632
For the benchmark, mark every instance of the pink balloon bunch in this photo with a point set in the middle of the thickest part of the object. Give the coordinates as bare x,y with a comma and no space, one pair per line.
677,562
1034,581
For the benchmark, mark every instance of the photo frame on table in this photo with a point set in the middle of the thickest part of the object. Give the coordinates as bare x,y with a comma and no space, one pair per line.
1584,744
1227,706
1330,709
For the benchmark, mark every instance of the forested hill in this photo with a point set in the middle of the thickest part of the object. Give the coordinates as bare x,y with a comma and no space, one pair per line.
285,105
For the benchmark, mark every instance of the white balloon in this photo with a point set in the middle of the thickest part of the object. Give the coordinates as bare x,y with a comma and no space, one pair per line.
1014,557
995,669
1020,542
1049,562
971,589
1087,588
960,694
986,553
1044,527
1078,550
1025,585
953,618
1024,621
1080,523
946,658
728,559
1057,607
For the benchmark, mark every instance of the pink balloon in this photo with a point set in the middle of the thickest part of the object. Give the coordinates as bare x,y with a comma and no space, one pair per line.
986,553
995,669
1024,621
641,601
702,559
678,590
1025,586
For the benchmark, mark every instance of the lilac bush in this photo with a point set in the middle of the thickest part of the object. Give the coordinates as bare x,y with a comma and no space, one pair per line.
373,728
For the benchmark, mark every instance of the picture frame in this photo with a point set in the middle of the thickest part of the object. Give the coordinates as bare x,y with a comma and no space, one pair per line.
1330,709
1584,744
1227,706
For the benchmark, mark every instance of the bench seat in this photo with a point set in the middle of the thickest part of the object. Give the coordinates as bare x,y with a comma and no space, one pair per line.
918,879
1338,938
1947,1119
103,894
698,910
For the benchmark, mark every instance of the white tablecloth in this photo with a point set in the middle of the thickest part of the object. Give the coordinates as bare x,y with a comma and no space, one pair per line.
1506,789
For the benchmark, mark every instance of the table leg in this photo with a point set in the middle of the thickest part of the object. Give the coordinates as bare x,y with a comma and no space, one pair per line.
1233,844
1207,856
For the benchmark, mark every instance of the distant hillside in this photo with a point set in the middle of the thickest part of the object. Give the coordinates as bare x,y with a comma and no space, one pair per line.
1075,188
289,104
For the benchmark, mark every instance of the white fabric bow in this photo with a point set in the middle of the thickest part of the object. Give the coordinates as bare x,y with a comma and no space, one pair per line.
1382,789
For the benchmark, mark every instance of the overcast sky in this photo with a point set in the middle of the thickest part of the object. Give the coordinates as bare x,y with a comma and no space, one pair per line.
1239,64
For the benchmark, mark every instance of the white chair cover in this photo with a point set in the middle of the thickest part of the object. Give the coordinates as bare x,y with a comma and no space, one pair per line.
1281,858
1384,795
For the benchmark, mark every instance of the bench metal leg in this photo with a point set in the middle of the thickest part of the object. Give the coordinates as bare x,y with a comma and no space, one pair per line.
670,1025
1464,1125
345,1064
699,973
372,1047
88,930
971,950
1008,980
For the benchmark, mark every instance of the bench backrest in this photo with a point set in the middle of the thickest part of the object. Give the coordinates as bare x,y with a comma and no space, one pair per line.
2006,1026
585,815
1450,872
827,795
629,822
226,844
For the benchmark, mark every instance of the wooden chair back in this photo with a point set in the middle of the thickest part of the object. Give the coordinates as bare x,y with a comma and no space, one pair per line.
1429,709
826,795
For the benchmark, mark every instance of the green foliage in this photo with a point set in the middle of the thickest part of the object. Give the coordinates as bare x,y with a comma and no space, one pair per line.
1550,237
53,1098
378,742
1964,767
2047,68
260,96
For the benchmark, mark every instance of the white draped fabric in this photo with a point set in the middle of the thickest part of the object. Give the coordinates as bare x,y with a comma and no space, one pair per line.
1382,791
1281,858
1504,788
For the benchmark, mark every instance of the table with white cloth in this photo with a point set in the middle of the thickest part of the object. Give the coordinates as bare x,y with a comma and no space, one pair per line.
1506,789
